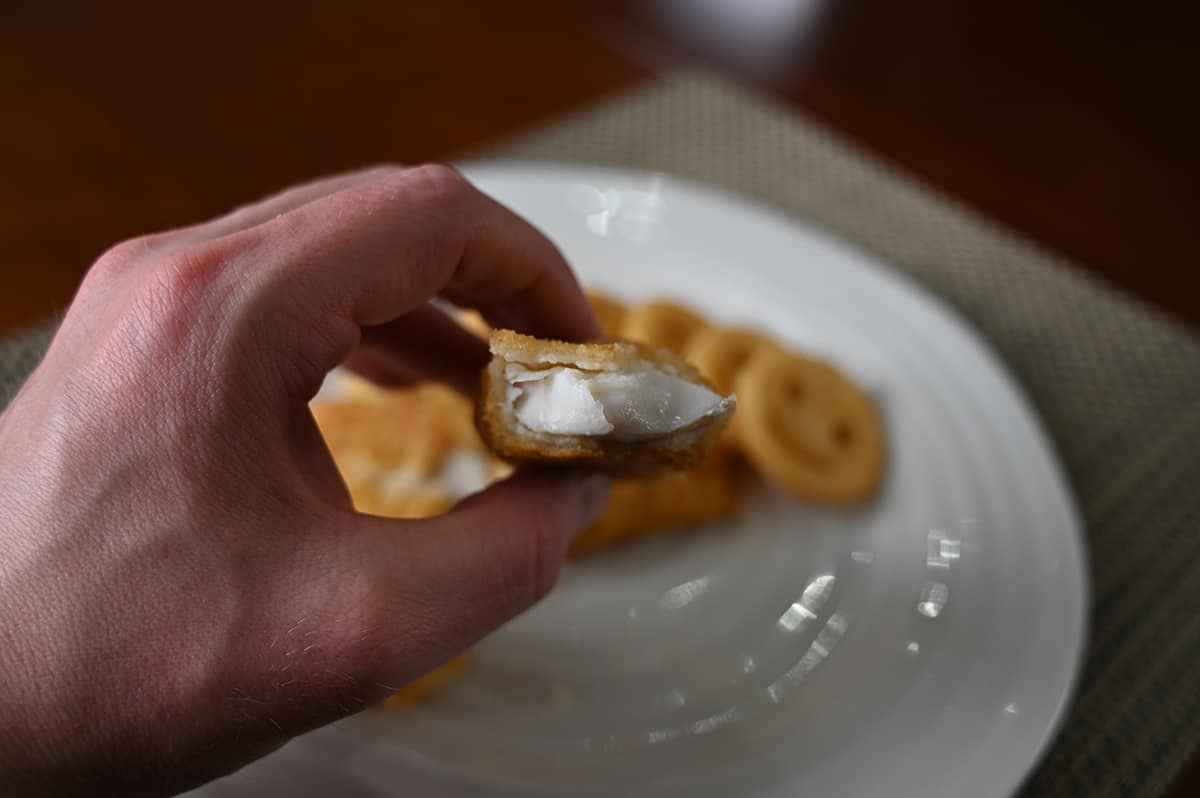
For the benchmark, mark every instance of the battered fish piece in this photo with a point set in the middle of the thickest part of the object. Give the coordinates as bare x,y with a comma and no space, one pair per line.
623,407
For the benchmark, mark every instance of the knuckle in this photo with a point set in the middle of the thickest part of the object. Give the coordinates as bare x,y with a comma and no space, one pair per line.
179,278
120,257
367,616
439,182
175,302
385,620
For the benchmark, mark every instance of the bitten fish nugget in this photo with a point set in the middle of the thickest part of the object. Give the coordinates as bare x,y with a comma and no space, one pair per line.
623,407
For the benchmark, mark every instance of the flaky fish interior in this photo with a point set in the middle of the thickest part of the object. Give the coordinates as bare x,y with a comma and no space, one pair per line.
621,406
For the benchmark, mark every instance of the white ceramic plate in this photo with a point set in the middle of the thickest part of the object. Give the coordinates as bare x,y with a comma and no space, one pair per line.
924,645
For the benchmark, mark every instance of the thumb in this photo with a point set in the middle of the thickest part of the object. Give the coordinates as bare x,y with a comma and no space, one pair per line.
443,583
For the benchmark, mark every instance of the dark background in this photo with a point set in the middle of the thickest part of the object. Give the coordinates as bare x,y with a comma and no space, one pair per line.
1074,123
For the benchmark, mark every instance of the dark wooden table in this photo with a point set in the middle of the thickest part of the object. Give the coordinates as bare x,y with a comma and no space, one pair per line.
1073,123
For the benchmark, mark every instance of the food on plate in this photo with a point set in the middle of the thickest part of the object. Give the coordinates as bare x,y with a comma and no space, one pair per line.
802,424
664,324
406,453
435,681
720,354
623,407
666,503
808,428
609,312
474,322
639,408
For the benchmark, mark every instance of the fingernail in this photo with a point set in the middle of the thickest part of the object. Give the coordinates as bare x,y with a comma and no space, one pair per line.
593,492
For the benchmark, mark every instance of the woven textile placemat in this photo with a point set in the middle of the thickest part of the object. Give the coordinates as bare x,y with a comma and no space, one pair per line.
1116,383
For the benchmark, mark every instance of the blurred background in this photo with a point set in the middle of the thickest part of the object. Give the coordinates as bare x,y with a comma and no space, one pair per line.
1073,123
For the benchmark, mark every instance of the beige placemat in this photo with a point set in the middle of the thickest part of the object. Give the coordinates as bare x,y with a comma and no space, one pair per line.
1117,385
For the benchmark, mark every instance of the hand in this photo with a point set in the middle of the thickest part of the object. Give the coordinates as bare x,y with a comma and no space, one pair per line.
183,583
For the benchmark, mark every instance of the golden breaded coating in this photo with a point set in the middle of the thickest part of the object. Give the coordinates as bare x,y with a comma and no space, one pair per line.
665,503
518,444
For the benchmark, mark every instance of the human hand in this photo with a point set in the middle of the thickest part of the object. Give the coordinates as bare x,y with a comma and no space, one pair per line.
183,583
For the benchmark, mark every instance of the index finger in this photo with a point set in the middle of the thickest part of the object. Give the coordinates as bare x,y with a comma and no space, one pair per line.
374,252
